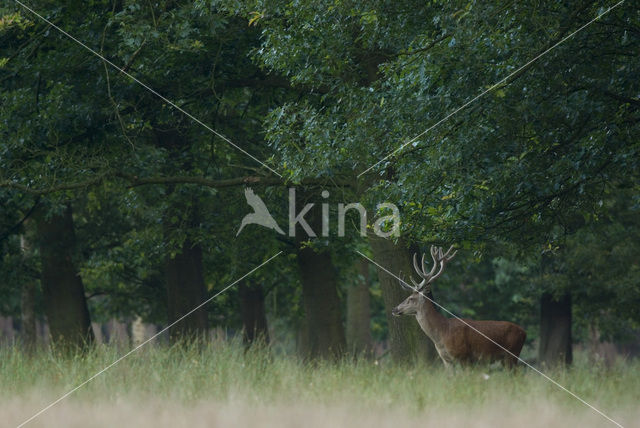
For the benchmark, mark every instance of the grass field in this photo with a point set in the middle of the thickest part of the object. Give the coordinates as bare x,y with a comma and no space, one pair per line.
221,386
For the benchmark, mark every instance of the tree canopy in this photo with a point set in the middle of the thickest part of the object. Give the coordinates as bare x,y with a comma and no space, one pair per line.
509,129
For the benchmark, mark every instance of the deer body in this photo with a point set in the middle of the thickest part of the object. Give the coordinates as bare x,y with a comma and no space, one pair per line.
456,341
462,341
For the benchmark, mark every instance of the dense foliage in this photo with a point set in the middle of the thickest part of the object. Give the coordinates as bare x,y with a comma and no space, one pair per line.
536,179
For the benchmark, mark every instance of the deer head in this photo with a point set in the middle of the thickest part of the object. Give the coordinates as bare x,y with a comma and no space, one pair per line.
412,304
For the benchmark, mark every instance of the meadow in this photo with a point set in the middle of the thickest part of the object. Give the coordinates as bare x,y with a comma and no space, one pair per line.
221,385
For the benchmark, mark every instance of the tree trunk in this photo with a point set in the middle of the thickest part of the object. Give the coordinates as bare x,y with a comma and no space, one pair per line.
325,332
254,318
407,341
359,340
185,291
555,330
303,346
28,297
321,304
184,275
64,300
28,316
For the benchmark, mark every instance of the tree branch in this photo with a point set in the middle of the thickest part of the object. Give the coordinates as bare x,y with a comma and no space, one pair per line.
426,48
136,181
15,227
621,98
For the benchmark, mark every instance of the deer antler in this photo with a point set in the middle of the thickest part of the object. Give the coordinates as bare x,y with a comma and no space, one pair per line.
443,259
439,258
420,269
403,284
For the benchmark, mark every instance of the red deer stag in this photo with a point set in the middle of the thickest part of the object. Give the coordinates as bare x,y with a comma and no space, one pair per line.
456,340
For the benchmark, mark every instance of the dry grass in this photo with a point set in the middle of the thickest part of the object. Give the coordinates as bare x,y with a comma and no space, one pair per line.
222,386
132,411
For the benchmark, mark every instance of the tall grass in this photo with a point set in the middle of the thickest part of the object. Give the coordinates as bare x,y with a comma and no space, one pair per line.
223,373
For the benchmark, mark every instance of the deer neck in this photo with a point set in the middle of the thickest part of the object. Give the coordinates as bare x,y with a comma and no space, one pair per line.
432,322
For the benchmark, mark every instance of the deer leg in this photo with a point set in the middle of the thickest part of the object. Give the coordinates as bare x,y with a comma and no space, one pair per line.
509,361
448,366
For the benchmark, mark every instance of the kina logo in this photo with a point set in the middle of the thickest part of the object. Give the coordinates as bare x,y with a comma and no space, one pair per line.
384,225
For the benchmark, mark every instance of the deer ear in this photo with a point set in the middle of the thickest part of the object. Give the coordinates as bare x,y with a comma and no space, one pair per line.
424,291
